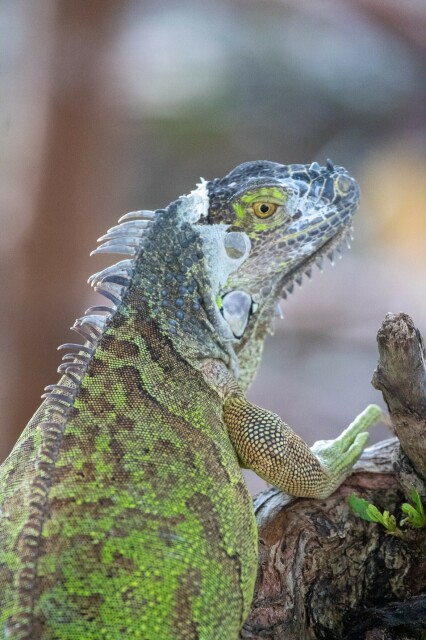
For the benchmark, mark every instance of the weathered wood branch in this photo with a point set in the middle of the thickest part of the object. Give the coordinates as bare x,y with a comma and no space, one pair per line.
401,377
323,571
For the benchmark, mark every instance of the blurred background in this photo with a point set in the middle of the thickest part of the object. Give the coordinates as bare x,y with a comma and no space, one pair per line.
111,106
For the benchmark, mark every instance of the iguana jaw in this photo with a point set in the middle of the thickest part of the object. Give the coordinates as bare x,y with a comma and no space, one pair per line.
264,309
311,229
260,319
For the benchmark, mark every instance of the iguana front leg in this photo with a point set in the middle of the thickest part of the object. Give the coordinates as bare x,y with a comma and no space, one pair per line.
268,446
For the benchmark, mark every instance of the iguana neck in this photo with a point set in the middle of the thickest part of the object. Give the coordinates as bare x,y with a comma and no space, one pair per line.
177,277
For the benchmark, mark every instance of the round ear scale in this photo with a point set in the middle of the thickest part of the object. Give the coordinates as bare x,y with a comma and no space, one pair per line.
236,244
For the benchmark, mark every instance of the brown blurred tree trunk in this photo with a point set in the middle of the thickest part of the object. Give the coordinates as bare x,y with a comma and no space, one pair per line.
75,182
324,572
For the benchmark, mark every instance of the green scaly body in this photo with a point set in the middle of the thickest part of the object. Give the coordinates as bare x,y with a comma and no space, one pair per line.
123,510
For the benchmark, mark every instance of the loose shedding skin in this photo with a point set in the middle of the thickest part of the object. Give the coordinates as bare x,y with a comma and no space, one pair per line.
123,510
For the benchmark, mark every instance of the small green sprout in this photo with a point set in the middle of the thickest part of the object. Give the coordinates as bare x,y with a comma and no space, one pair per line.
415,514
369,512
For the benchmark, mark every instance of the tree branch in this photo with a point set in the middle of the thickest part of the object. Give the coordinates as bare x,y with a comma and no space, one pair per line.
401,377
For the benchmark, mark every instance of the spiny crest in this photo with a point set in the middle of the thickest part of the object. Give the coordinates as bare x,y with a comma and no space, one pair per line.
126,238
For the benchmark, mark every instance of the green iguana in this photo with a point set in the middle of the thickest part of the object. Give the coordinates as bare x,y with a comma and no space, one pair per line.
123,509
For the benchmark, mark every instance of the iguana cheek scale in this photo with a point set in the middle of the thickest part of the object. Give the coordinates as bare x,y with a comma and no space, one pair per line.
123,510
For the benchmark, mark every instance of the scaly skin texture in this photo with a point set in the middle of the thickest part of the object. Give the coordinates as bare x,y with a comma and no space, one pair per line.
123,510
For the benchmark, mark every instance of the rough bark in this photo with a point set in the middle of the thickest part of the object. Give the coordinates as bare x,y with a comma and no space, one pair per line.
323,571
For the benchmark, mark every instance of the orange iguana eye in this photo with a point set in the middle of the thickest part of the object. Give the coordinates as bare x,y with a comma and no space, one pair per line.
264,209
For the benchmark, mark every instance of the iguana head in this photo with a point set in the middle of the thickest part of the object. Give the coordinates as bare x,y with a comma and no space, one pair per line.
292,216
210,268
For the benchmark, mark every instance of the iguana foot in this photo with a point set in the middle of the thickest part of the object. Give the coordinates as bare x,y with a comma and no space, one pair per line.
338,456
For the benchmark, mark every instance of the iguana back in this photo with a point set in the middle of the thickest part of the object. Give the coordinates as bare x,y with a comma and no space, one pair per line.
124,512
142,506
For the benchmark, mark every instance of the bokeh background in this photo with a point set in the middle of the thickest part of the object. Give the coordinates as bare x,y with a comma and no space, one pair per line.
109,106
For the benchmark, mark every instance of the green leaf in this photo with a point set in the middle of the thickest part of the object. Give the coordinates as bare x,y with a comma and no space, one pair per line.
360,507
415,514
415,497
389,522
375,515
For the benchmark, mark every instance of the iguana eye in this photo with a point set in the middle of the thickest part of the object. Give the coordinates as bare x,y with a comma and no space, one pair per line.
264,209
